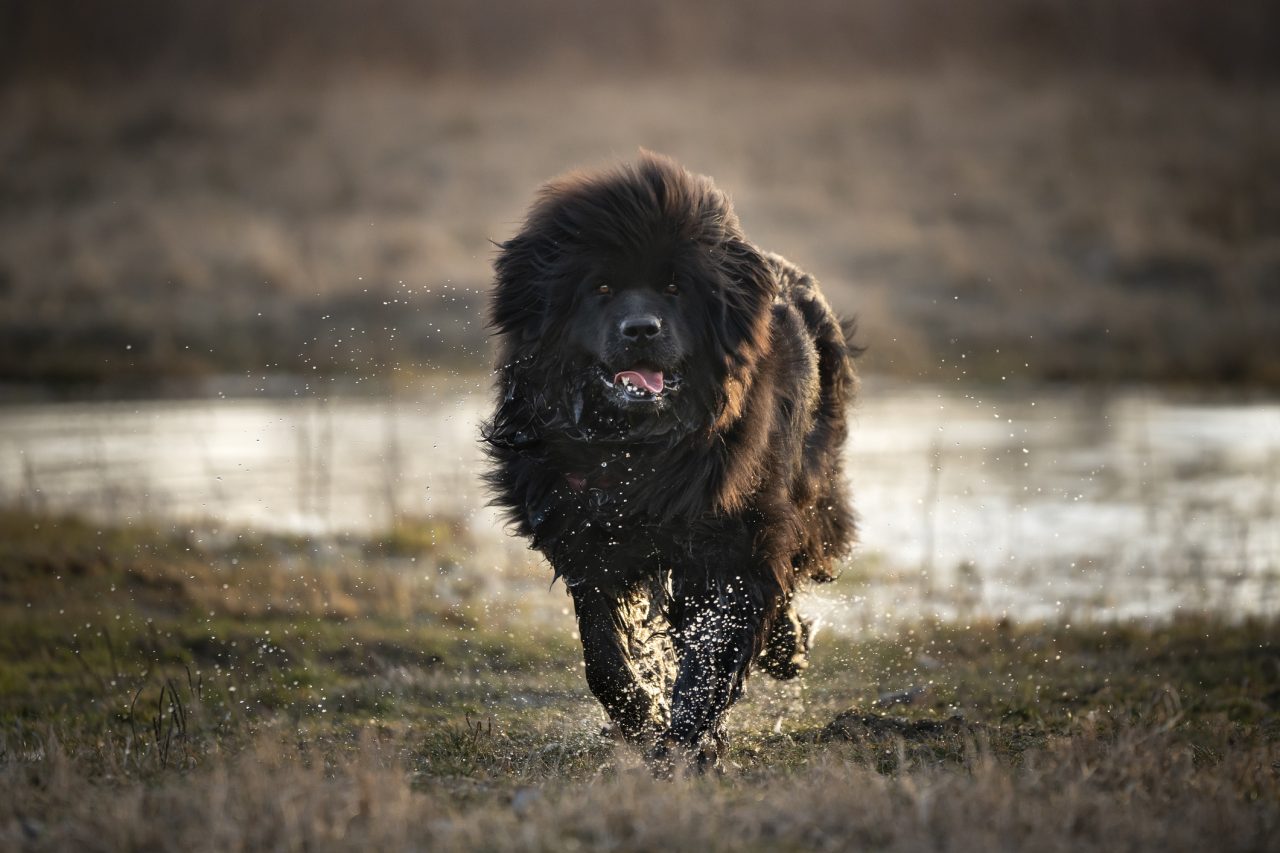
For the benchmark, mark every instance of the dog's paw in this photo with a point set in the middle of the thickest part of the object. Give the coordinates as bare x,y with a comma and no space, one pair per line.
670,757
786,654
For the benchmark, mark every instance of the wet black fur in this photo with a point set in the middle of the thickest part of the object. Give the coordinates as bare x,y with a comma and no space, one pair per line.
681,528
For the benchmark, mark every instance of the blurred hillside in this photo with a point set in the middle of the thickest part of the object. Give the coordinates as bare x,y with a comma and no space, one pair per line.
246,40
1028,188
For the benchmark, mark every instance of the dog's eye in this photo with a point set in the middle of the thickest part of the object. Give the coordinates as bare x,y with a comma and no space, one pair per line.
672,289
603,289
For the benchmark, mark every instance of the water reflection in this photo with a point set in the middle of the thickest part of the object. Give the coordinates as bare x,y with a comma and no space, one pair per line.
1068,505
1063,504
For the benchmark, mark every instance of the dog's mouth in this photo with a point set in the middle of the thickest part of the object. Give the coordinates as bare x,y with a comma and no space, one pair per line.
640,384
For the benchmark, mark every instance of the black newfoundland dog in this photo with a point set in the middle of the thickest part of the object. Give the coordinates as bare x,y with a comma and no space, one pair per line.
670,415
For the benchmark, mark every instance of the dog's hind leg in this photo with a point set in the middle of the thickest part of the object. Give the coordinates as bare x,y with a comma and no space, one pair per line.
629,659
786,651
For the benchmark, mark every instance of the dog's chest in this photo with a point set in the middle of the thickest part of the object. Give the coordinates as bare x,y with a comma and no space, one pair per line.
613,502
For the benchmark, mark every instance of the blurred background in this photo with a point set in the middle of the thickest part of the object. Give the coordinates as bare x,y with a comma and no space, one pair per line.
194,187
251,592
245,250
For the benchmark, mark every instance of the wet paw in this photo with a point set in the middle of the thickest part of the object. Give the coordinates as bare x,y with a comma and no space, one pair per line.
786,654
671,757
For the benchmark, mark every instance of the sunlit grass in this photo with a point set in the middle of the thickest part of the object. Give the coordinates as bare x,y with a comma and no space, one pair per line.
170,690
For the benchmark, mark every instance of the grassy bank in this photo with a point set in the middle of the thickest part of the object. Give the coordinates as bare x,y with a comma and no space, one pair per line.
210,690
1055,226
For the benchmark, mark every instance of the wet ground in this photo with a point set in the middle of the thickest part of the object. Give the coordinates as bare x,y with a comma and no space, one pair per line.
1063,504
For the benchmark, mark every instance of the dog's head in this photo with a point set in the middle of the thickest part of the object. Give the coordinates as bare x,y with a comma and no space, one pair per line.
633,294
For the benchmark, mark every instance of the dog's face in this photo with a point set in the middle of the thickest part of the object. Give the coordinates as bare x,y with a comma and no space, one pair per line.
632,295
634,326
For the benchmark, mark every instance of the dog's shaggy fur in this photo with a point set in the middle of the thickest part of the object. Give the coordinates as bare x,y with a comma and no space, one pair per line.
670,416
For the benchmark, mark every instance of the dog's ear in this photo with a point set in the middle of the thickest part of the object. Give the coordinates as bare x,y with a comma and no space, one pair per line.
519,304
748,285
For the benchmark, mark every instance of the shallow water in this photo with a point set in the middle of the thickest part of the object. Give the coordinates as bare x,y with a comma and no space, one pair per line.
1059,504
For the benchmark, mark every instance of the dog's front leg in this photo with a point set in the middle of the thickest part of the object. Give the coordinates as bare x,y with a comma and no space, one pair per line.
718,633
607,622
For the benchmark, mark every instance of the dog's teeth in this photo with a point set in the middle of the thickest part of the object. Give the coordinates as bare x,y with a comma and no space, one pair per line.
632,390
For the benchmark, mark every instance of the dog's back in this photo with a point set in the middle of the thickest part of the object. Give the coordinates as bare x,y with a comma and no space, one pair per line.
830,527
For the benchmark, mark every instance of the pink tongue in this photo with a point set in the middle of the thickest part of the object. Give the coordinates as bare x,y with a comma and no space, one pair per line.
650,380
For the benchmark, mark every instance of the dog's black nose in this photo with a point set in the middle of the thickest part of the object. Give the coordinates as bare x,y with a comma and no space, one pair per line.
642,326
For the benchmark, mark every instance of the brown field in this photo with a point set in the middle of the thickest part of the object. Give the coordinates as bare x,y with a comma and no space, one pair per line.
1094,226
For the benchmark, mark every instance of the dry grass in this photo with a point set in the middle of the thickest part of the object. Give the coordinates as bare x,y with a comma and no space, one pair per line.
144,705
1049,226
1138,789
